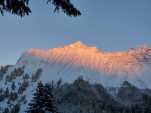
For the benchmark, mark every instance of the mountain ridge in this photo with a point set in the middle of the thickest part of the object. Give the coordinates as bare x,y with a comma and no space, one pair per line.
80,59
18,82
93,58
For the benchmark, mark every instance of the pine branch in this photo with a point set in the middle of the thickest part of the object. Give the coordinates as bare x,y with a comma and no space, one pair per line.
21,7
66,6
17,7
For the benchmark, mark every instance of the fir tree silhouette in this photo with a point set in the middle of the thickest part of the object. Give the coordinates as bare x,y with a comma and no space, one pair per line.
43,100
21,7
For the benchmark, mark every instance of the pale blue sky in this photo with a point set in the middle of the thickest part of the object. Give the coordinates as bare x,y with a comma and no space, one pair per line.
111,25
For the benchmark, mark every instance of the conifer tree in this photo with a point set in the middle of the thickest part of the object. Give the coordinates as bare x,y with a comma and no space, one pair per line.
43,101
7,92
22,8
13,86
49,100
36,105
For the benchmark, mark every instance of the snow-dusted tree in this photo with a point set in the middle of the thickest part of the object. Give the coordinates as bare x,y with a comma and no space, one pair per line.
43,100
13,86
36,105
15,109
23,86
36,75
7,92
6,110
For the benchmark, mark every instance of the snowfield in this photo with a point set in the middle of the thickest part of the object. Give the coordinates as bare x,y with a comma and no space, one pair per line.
70,62
78,59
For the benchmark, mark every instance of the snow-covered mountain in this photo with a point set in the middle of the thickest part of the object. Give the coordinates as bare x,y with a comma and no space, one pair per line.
108,69
78,59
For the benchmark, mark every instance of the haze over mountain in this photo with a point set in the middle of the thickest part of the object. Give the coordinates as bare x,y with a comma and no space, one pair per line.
77,59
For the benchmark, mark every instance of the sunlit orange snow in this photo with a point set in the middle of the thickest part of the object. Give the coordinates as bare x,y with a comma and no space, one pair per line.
78,54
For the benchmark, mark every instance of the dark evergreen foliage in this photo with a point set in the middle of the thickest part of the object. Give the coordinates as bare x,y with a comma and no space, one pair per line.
66,6
18,7
15,109
13,96
6,110
13,86
22,8
23,86
3,69
36,75
7,92
43,100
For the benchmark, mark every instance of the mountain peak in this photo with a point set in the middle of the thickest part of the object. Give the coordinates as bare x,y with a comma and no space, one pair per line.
78,44
88,57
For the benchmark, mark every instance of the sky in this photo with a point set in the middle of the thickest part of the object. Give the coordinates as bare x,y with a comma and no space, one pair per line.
111,25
